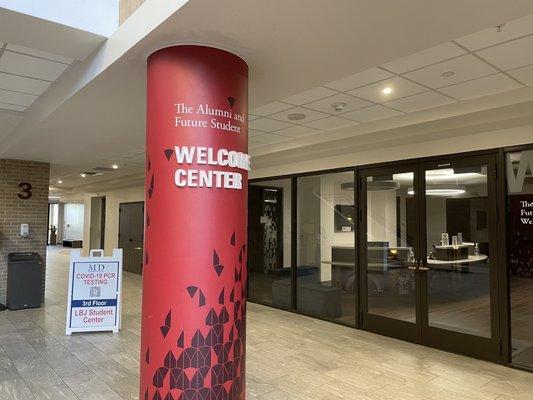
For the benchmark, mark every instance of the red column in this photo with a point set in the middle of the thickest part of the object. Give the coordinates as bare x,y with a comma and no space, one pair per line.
194,275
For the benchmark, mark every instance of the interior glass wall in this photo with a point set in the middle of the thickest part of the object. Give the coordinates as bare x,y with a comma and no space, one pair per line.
391,236
520,253
269,242
459,257
326,276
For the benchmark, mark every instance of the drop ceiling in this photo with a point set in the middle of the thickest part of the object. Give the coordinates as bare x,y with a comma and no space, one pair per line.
25,74
491,61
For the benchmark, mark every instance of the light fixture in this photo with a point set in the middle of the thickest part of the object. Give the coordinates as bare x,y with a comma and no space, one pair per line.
447,74
296,116
387,90
440,190
114,166
83,175
59,181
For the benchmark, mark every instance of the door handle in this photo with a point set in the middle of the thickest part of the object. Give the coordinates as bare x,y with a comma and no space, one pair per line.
424,269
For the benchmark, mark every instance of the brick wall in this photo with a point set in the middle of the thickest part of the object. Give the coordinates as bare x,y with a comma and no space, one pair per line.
15,211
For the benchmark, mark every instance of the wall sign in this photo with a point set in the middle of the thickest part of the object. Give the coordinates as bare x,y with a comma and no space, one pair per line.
520,245
26,190
94,292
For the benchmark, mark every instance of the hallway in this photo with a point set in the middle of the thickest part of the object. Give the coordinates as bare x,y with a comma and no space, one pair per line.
290,357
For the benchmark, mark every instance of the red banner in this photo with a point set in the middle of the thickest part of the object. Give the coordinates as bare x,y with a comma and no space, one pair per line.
194,274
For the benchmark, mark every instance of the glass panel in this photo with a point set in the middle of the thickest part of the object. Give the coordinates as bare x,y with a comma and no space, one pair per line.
391,233
326,280
520,254
269,242
458,249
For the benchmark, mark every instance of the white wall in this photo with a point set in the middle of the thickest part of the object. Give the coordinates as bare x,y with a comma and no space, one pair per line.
113,200
381,216
73,221
393,151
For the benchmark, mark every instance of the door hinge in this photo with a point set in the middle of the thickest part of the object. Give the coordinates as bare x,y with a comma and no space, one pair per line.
500,346
497,213
361,314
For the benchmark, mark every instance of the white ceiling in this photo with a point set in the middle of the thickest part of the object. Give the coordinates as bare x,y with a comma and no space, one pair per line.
25,74
301,60
483,63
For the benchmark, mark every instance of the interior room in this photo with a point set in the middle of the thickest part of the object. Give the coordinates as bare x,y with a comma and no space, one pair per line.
291,200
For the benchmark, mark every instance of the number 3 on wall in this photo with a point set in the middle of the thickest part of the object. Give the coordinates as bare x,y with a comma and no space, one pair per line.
26,190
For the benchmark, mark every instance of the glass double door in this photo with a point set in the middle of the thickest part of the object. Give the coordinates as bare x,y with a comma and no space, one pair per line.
428,254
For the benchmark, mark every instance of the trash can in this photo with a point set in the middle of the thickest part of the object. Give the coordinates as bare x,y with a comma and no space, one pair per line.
24,280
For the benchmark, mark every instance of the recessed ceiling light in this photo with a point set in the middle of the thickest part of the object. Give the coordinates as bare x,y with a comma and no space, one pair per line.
83,175
114,166
448,74
387,90
60,181
296,116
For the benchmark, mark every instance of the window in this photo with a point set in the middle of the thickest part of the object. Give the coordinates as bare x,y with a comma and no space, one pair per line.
326,274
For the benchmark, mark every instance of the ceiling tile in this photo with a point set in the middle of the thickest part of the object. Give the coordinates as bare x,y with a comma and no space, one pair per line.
297,131
309,96
489,37
524,74
267,125
22,84
310,115
21,64
481,87
4,106
41,54
252,144
420,101
252,133
330,123
325,105
510,55
464,68
371,114
400,88
271,138
423,58
361,78
271,108
19,99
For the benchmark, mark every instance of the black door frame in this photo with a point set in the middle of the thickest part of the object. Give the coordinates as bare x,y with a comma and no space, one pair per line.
454,341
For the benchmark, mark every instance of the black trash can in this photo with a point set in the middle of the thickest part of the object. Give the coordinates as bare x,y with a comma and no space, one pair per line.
24,280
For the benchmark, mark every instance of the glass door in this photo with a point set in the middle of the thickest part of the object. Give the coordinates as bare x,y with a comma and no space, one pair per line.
458,267
428,254
389,248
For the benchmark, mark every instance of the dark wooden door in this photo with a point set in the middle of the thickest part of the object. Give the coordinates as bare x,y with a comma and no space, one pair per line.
130,236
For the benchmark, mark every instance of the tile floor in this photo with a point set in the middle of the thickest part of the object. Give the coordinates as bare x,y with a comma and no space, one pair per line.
290,357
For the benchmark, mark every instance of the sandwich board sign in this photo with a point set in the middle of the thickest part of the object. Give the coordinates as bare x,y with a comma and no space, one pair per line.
94,292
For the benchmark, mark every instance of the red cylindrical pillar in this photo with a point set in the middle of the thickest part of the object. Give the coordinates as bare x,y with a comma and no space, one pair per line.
194,275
